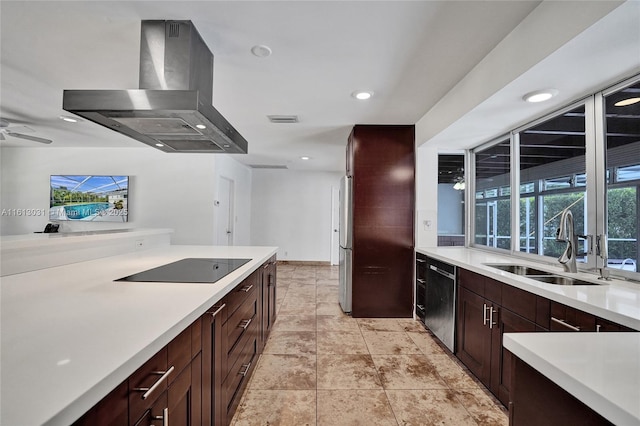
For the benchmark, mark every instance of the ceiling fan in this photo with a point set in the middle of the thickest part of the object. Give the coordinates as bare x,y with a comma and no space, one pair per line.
6,129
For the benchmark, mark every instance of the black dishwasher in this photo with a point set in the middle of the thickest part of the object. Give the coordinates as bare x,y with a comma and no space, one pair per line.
440,301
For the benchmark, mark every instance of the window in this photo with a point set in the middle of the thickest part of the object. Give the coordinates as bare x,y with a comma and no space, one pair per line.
622,140
492,201
585,158
552,153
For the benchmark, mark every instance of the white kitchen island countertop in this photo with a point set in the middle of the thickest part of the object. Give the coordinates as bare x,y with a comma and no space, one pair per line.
70,334
600,369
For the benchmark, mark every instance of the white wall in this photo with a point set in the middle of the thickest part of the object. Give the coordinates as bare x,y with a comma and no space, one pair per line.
426,226
227,167
450,210
166,190
292,210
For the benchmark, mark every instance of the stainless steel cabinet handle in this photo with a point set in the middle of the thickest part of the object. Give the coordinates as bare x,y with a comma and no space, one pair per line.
441,272
265,266
421,281
163,377
164,417
421,261
484,314
491,311
245,323
421,307
245,369
598,328
569,326
217,311
246,288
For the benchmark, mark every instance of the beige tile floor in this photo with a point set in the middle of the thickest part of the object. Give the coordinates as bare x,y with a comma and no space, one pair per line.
322,367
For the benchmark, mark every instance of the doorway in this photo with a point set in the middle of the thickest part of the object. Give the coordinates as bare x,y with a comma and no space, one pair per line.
225,214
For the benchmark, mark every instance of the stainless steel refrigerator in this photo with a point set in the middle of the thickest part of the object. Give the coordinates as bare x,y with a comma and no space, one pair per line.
346,240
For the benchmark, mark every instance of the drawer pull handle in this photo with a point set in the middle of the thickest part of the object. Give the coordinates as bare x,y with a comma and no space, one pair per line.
163,377
245,369
245,323
484,314
266,265
247,288
164,417
217,311
562,322
421,261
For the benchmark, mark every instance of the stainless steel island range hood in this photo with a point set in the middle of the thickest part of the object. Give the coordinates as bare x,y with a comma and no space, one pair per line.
172,110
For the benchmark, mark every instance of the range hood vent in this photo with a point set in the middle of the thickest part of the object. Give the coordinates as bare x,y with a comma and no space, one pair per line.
171,111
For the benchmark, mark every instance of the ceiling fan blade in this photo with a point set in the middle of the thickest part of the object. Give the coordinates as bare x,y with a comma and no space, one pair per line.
30,138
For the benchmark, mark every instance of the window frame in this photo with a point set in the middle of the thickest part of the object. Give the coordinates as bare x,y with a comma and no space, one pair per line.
595,187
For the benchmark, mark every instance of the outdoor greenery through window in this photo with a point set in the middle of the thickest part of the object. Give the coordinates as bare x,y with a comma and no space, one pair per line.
552,165
567,161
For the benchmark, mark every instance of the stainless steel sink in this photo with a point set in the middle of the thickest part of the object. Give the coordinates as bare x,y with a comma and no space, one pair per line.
519,269
560,280
539,275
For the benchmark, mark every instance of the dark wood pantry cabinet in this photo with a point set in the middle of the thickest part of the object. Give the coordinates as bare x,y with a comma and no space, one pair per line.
381,163
200,376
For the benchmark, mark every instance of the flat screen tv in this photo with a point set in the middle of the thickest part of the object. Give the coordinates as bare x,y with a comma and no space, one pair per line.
89,198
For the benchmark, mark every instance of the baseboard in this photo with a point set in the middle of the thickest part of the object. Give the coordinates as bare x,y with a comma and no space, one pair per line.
304,263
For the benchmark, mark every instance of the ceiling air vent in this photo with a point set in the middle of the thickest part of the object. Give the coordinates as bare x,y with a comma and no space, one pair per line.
267,166
283,119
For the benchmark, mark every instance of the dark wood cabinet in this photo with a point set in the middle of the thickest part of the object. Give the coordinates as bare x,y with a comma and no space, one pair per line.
213,364
473,346
381,161
536,400
421,286
112,410
488,308
267,278
198,378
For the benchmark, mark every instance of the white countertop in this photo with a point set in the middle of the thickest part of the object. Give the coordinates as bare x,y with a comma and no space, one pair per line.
600,369
56,239
70,334
616,300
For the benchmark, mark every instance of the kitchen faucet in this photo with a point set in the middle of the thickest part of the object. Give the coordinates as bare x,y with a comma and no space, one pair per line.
566,234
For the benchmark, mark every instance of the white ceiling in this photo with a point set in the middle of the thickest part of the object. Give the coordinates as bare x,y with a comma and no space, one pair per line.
411,54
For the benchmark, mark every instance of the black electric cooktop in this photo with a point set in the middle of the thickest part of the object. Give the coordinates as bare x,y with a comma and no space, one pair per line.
189,270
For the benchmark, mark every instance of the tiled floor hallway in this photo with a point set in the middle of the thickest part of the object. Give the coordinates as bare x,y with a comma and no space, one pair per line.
322,367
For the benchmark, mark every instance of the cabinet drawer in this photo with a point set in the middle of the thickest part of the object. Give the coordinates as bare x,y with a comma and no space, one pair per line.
566,318
247,289
421,267
147,383
239,373
471,281
244,321
519,301
179,353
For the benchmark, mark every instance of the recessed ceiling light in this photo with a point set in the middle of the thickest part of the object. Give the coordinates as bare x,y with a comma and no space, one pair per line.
201,126
540,95
69,119
261,51
362,95
159,144
305,158
629,101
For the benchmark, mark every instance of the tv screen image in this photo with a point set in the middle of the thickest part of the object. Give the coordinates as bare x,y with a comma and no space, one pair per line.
89,198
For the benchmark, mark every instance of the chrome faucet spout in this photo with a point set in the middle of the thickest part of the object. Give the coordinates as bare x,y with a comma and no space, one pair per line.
567,235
